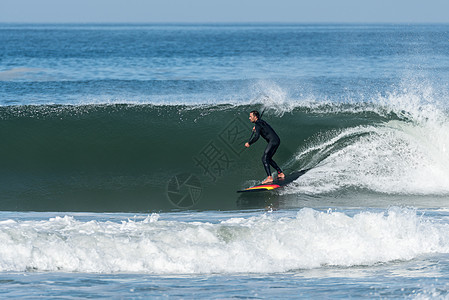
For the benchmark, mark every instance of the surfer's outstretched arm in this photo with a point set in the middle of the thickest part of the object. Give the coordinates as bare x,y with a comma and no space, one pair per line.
256,135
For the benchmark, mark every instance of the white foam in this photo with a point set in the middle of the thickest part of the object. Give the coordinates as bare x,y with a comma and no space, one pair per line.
409,156
395,158
260,244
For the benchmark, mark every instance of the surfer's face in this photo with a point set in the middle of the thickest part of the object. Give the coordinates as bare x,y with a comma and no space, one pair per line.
252,118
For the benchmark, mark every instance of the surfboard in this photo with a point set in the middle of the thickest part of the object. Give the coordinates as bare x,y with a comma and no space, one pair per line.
277,183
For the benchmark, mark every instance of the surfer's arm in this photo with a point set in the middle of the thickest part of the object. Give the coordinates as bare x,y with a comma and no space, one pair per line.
256,135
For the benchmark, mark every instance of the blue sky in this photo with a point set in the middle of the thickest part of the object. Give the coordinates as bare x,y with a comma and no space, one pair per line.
199,11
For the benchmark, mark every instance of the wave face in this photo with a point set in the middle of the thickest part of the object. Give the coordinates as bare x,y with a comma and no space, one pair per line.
259,244
141,157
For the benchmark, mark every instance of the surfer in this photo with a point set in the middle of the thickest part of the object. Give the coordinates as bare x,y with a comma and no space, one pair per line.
262,128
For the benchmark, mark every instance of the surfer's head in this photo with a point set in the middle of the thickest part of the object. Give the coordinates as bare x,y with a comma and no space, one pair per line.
254,116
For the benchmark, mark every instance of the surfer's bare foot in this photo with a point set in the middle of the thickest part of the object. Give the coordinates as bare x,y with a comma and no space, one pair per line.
269,179
281,176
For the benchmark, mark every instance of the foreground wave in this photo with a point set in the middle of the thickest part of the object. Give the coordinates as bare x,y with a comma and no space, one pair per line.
139,158
260,244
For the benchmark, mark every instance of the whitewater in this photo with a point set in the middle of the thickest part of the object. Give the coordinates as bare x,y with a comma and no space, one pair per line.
263,243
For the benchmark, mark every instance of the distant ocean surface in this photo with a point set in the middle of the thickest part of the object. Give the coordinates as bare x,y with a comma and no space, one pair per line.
122,151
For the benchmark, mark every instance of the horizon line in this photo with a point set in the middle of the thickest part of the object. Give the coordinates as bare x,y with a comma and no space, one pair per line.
226,23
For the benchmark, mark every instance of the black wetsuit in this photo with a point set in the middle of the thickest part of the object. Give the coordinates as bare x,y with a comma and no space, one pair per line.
264,129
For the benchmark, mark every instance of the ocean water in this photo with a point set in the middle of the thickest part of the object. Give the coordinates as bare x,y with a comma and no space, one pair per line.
122,151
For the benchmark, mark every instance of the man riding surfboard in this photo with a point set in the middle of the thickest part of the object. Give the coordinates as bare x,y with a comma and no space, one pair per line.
262,128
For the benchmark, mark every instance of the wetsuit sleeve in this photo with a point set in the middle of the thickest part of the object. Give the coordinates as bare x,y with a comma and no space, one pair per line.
256,135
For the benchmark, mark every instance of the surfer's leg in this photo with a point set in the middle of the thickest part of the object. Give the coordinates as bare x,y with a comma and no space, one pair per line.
275,166
271,151
265,161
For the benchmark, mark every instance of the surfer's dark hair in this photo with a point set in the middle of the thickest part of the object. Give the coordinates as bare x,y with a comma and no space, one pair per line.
256,114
